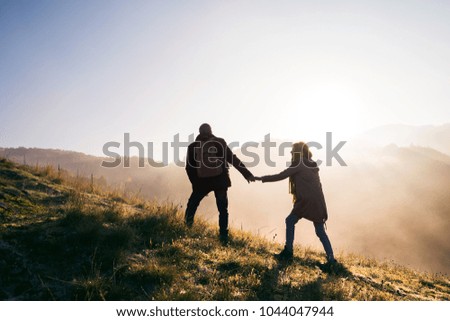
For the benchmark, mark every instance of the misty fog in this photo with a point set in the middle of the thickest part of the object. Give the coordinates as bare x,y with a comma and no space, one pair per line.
390,203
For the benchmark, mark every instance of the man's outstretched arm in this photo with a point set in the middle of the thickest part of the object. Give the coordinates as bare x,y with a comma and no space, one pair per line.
236,162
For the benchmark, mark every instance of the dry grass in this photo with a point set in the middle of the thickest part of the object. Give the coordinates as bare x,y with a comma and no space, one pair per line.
64,238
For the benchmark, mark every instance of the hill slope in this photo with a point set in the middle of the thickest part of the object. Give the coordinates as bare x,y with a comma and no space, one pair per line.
60,239
409,226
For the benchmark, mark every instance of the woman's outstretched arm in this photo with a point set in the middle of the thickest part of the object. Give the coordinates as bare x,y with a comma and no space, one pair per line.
280,176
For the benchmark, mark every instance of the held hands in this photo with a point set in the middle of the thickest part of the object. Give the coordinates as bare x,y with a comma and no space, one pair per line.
254,178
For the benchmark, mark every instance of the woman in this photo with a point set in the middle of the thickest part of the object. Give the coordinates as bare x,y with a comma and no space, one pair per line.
309,202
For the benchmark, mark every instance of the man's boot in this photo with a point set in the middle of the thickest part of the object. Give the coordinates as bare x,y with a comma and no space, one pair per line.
285,254
223,236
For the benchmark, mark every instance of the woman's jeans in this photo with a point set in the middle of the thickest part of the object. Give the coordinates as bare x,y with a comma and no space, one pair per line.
292,219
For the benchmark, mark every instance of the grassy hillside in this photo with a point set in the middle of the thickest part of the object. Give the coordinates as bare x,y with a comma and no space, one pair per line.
61,239
383,224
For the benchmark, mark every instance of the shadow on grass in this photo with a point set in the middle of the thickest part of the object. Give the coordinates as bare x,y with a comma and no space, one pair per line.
270,288
84,256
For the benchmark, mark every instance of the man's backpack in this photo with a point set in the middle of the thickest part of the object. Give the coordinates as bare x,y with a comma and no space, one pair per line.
207,155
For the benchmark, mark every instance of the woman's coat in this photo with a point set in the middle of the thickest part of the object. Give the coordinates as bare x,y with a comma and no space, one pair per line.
310,201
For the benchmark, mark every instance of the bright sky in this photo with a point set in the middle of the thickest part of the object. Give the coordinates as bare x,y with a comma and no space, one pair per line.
77,74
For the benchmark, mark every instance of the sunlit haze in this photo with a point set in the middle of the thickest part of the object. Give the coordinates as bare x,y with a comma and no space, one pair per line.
74,75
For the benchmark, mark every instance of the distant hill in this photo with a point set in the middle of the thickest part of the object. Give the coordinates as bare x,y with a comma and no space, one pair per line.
436,137
394,204
150,182
63,239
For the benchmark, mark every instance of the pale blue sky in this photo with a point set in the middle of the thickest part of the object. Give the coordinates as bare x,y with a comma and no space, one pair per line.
76,74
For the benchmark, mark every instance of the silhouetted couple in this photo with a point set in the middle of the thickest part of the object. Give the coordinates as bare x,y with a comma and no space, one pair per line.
207,165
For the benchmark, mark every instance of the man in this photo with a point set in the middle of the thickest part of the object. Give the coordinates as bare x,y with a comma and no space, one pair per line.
207,168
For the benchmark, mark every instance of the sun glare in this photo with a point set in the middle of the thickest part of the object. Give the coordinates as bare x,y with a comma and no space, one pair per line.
330,107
